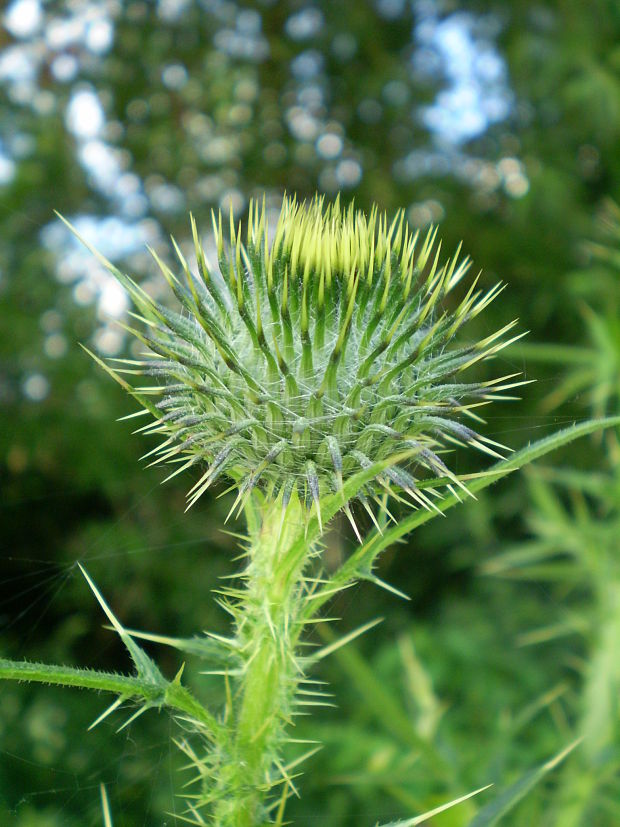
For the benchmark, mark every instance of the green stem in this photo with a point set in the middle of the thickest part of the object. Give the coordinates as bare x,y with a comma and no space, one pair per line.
83,678
172,695
268,632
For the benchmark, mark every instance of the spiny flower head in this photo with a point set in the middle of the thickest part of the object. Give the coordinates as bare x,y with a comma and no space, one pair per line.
311,356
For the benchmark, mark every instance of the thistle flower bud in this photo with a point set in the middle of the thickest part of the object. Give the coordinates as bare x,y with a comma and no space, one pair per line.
309,357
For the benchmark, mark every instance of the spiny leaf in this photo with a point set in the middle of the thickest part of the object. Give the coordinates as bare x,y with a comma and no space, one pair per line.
364,556
145,667
343,641
105,806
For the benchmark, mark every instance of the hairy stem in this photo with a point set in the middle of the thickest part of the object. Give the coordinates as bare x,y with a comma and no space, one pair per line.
131,687
268,629
169,694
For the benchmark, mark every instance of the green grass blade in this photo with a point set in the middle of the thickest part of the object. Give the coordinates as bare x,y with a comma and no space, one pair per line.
380,699
491,814
411,822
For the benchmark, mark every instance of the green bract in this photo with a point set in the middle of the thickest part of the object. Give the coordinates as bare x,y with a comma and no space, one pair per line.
314,355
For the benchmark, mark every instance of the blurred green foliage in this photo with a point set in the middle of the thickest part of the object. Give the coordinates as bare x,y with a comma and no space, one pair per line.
502,121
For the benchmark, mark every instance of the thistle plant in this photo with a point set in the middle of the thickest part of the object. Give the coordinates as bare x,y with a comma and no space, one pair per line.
302,362
318,369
